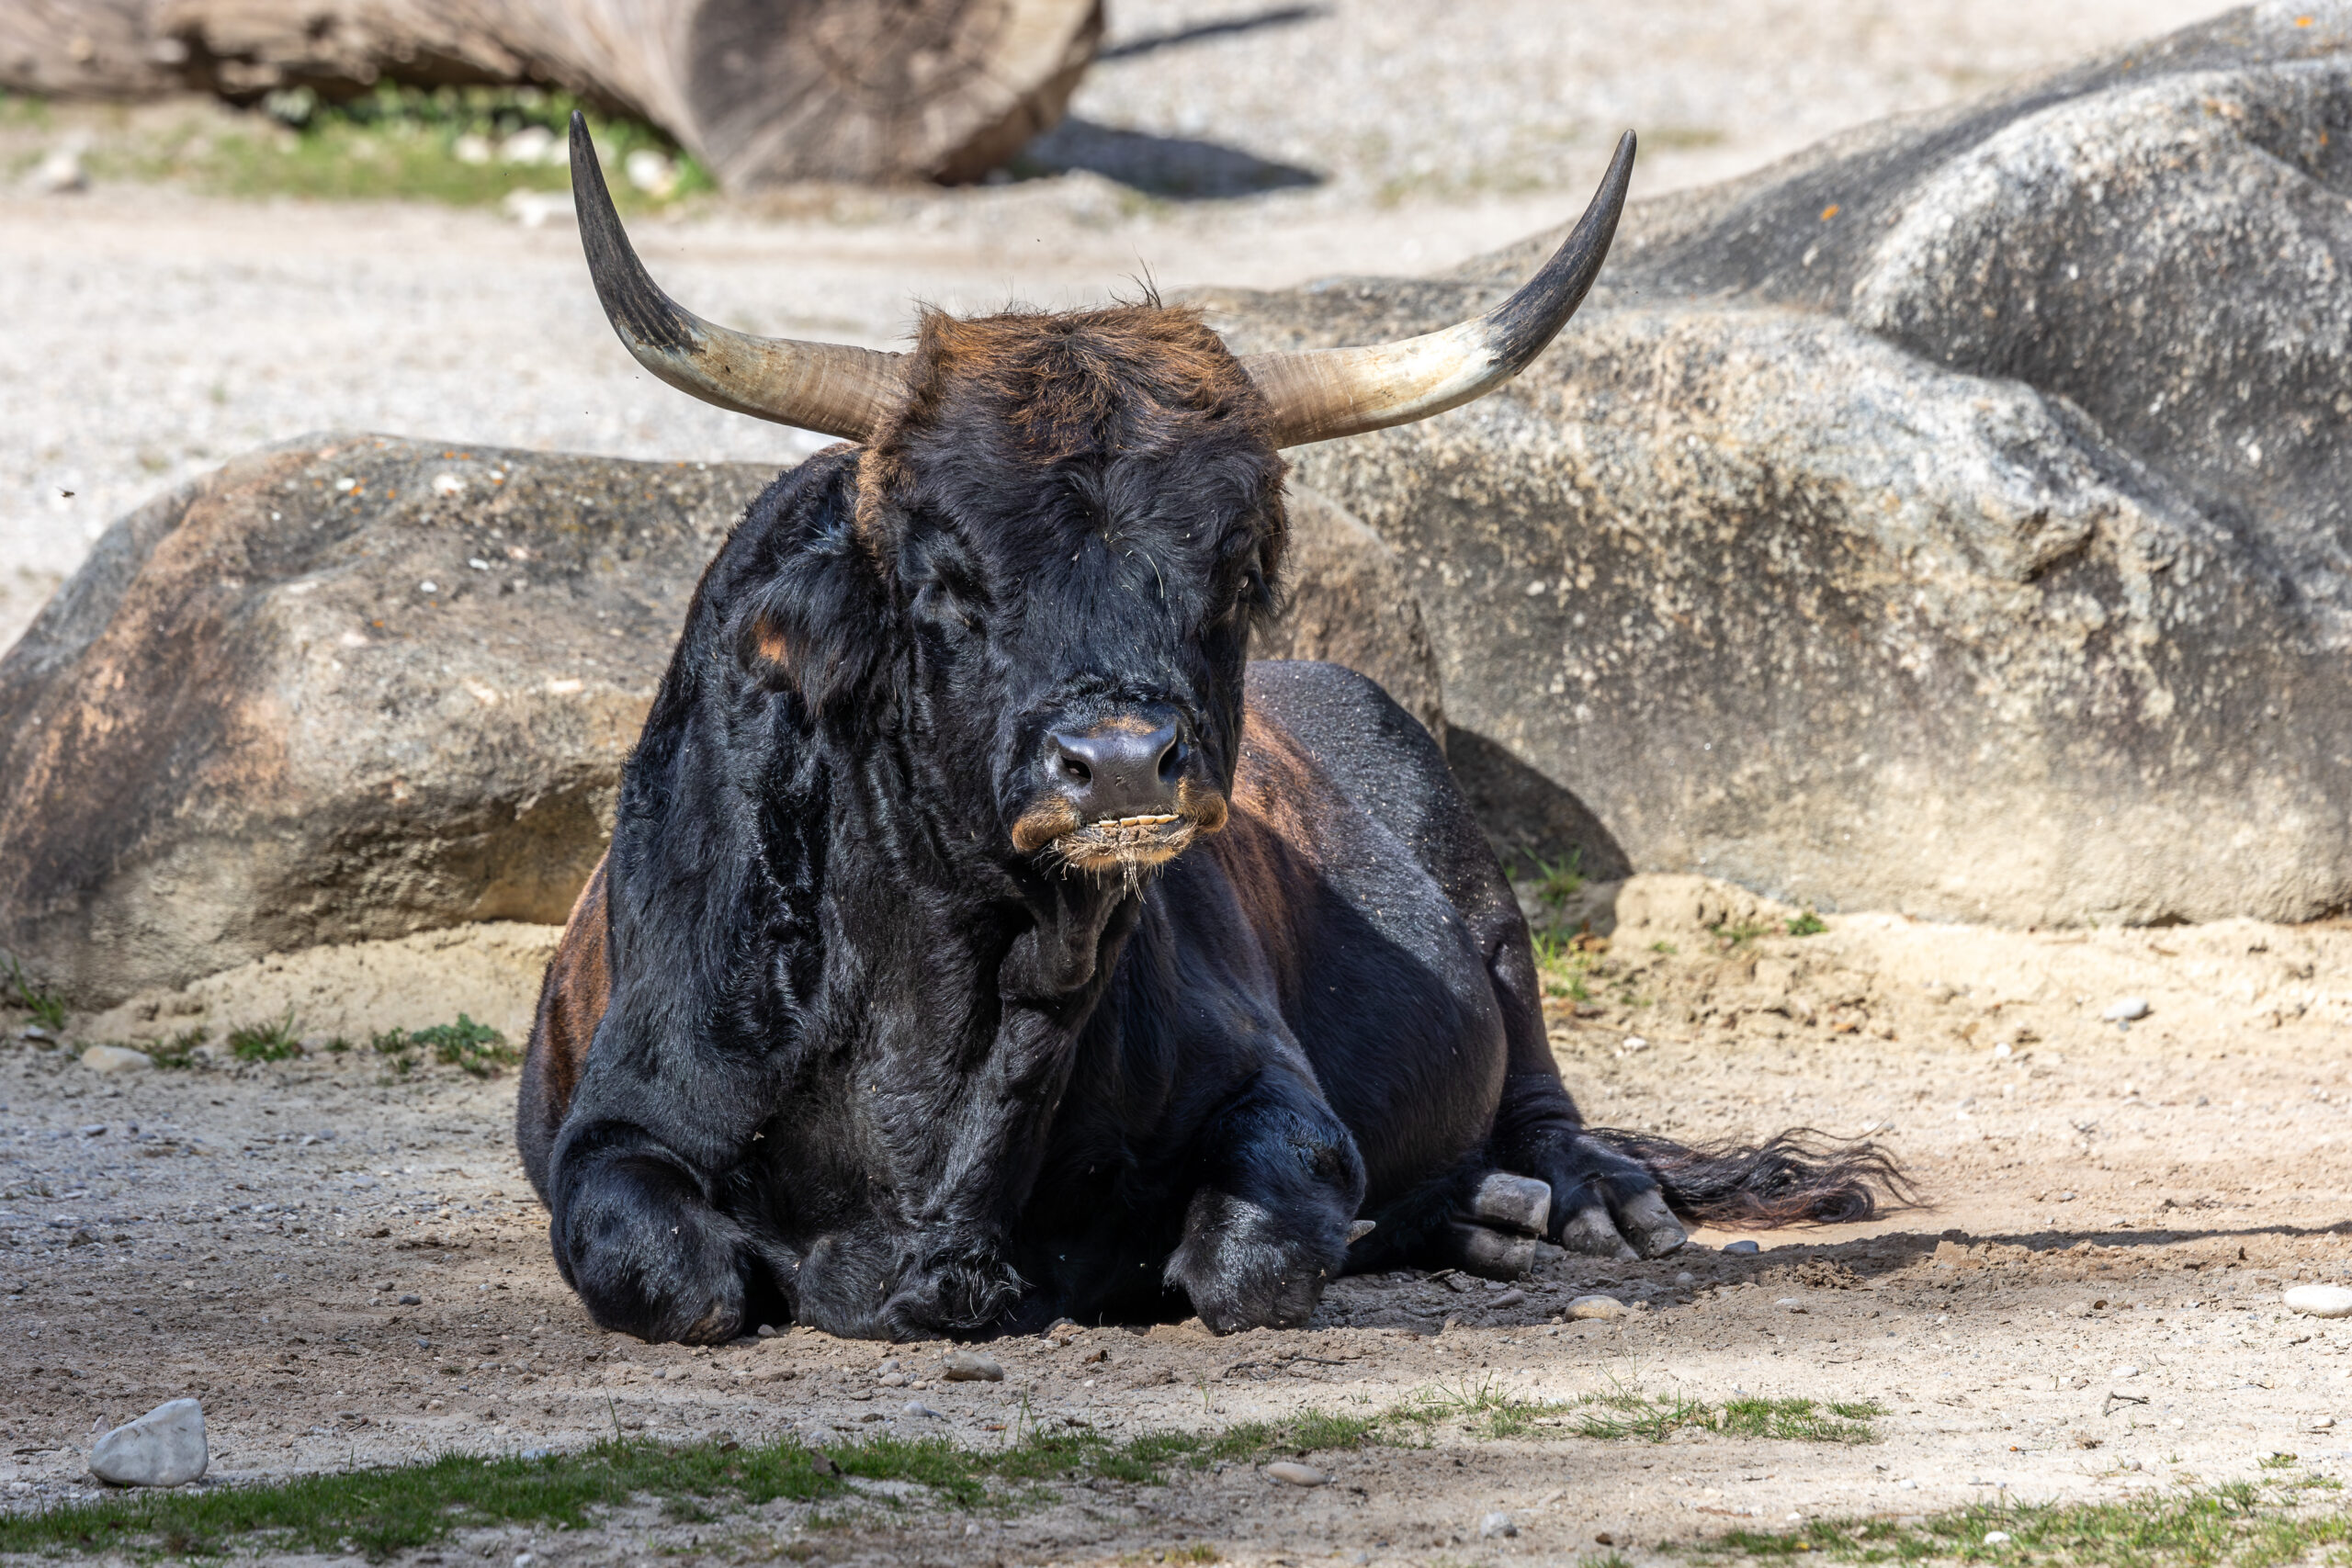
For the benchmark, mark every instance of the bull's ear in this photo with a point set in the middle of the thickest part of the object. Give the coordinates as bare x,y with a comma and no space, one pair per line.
819,624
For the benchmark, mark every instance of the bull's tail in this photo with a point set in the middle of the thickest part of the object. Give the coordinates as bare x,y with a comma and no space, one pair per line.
1797,1178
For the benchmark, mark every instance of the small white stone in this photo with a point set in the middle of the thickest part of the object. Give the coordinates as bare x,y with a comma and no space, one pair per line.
1636,1042
471,149
1591,1307
2320,1301
2129,1009
2125,1370
58,174
970,1365
2320,1423
1292,1474
650,172
530,145
448,484
163,1448
116,1059
1495,1525
428,586
1907,1485
917,1408
1996,1537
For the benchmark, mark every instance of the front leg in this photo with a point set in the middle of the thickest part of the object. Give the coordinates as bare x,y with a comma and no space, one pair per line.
1267,1226
636,1236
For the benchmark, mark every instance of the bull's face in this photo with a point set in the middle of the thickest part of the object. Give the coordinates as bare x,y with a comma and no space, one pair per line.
1066,526
1079,519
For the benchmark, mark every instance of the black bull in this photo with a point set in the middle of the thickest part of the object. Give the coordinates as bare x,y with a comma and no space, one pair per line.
821,1045
980,944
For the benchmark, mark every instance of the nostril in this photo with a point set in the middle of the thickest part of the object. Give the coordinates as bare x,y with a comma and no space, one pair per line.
1171,761
1076,770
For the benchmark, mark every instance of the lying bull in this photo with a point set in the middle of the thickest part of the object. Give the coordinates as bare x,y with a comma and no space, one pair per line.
983,940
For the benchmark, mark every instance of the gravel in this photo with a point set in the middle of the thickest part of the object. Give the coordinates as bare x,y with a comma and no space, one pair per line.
148,333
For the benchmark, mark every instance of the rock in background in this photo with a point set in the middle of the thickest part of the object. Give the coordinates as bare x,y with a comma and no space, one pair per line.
1954,519
357,688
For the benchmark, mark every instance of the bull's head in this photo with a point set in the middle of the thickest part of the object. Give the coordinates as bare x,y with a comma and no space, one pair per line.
1067,524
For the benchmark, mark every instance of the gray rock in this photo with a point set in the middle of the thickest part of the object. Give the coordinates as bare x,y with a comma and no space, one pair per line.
1955,518
1742,1247
1497,1525
163,1448
969,1365
110,1059
244,727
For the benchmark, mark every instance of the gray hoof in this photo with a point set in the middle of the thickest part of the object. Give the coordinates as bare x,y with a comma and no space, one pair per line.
1514,1202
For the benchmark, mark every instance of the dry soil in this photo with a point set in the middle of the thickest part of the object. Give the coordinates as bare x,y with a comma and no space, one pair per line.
2090,1307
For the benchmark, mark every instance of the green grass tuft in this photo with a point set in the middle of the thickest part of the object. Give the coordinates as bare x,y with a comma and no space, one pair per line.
46,1006
2229,1527
1488,1412
271,1042
1807,924
394,143
377,1513
475,1048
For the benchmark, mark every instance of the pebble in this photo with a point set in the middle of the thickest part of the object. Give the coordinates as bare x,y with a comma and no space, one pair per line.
2320,1301
411,1301
1510,1298
968,1366
2129,1009
58,172
163,1448
1996,1537
1790,1303
1587,1307
33,1031
2320,1424
917,1408
1743,1245
2125,1370
116,1059
818,1436
1685,1279
1292,1474
1495,1525
1907,1485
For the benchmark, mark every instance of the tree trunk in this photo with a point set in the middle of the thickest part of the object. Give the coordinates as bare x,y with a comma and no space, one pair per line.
763,91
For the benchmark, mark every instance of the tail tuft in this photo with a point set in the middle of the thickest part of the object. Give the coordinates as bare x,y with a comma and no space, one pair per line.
1799,1177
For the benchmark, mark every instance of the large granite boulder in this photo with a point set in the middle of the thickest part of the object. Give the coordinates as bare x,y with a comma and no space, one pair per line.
357,687
1956,518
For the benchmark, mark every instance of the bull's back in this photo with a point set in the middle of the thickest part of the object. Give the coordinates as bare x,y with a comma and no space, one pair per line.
572,1003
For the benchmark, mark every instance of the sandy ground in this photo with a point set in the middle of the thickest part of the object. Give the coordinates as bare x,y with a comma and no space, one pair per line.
2090,1308
146,333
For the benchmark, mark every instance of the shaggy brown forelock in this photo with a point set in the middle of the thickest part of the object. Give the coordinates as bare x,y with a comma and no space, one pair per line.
1155,372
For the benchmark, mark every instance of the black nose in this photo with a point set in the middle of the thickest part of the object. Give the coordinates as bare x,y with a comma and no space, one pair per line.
1125,768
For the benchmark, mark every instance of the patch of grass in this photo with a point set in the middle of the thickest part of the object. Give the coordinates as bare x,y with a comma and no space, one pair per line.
179,1051
475,1048
1807,924
1556,882
1739,935
1488,1412
377,1513
397,144
274,1040
46,1006
2229,1527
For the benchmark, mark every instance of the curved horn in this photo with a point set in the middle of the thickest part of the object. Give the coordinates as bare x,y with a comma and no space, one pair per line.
826,387
1319,394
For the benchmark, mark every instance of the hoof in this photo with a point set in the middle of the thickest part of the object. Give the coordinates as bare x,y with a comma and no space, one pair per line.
1514,1202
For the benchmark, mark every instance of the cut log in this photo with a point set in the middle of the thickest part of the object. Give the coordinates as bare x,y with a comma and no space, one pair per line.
764,92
